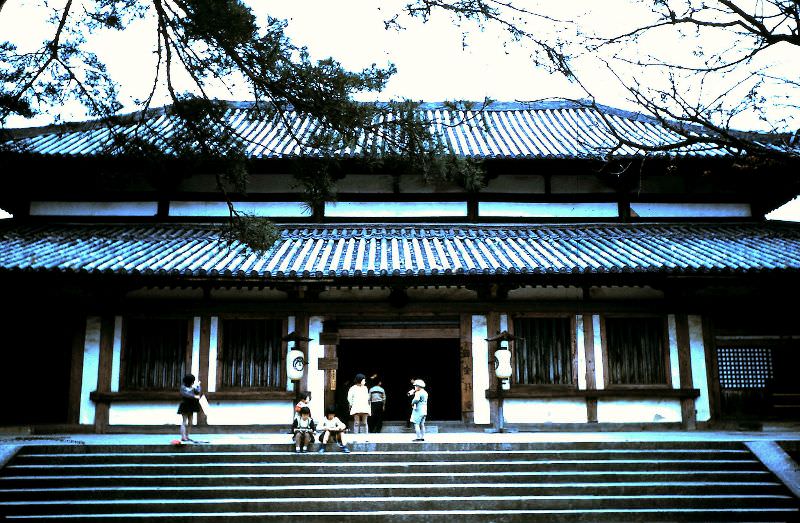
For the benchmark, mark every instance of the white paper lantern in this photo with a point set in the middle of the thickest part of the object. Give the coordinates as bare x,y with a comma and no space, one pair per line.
295,362
502,363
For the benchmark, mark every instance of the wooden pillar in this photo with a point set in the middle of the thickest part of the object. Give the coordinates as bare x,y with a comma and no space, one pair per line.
205,350
492,329
104,371
76,371
465,333
688,416
591,382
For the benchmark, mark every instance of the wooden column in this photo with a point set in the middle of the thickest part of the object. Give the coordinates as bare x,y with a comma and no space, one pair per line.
688,416
591,382
465,333
205,349
76,371
492,329
104,371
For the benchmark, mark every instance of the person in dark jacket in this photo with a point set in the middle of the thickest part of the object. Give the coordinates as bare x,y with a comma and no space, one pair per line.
190,404
303,429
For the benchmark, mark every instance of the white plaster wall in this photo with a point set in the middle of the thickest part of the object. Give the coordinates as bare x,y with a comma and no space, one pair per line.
91,366
222,413
93,208
316,377
274,412
599,376
213,347
545,411
699,373
480,371
290,328
703,210
638,411
144,413
674,364
548,210
580,348
116,355
220,209
394,209
196,348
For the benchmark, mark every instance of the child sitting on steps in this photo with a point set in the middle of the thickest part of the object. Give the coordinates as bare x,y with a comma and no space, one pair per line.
332,427
303,429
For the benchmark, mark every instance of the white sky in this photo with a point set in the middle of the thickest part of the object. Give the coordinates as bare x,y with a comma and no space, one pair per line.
435,61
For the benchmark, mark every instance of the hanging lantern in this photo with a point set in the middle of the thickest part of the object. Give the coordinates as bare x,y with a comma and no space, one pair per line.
502,361
295,363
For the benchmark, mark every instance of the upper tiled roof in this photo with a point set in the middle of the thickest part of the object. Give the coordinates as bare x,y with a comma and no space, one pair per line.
504,130
405,251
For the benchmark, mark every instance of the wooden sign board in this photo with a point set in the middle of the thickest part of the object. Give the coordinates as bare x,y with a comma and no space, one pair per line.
328,363
328,338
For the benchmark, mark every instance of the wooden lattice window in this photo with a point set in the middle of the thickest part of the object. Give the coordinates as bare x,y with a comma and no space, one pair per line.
251,354
154,353
545,354
636,349
744,367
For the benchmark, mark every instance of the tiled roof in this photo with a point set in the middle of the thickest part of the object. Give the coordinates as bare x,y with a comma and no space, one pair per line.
365,252
504,130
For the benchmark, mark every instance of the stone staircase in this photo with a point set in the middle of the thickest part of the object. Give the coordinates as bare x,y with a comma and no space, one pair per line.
463,482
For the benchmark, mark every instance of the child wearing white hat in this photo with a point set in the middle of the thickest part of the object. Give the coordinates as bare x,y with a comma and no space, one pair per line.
419,409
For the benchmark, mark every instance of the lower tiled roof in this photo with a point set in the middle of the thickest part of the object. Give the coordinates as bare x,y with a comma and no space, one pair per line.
390,250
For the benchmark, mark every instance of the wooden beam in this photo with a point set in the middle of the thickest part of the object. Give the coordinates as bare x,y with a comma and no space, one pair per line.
712,369
534,392
467,407
104,371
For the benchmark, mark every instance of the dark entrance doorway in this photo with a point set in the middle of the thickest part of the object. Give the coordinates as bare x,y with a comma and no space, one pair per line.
397,361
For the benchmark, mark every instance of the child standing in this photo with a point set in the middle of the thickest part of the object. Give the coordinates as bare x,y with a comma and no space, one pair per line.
190,404
358,398
332,427
303,428
419,409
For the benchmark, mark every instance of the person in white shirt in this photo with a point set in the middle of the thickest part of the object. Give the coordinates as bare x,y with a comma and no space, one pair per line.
332,427
358,398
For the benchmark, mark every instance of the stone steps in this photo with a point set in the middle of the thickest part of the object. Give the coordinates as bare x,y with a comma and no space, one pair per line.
631,481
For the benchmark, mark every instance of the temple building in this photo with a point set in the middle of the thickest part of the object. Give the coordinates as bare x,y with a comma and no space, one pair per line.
642,290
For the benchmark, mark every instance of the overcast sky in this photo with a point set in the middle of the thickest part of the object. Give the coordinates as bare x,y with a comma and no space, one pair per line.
435,61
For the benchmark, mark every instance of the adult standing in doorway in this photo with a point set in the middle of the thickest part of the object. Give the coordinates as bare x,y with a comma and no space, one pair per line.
419,409
377,402
358,399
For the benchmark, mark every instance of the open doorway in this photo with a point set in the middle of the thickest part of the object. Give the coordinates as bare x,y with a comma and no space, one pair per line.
397,362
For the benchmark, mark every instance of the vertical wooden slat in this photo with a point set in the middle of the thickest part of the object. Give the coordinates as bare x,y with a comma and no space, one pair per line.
465,332
205,350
